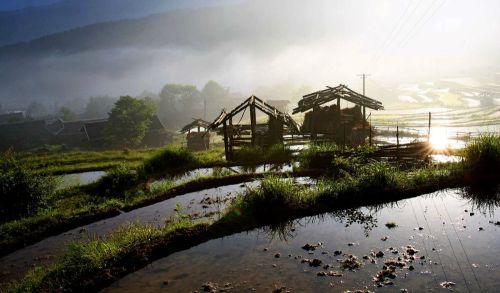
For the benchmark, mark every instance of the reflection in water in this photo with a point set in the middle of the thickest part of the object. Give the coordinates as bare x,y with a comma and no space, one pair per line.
438,242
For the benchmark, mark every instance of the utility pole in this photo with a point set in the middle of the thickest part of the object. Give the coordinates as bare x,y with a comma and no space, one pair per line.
364,76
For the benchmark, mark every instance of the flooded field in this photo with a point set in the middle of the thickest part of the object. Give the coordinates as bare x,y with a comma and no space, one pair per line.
76,179
440,241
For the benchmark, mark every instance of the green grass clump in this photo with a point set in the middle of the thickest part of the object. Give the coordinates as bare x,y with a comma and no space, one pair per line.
256,155
483,153
116,182
22,192
170,158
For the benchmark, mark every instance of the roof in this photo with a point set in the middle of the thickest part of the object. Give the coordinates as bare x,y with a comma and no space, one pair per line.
71,128
262,106
195,124
31,129
318,98
156,124
11,117
95,128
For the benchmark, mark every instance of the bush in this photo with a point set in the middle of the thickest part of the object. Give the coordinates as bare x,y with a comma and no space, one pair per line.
117,181
483,153
22,192
171,158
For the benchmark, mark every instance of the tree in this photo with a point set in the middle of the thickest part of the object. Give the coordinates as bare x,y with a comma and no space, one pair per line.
179,103
67,114
98,107
128,121
36,109
216,97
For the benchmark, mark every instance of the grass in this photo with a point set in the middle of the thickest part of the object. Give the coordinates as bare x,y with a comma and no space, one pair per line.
81,161
483,153
321,155
256,155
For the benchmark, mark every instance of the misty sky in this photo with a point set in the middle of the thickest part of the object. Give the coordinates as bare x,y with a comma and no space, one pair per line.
417,52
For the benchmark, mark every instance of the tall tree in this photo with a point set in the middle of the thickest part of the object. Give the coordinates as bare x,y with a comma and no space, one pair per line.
36,109
128,121
216,97
67,115
179,103
98,107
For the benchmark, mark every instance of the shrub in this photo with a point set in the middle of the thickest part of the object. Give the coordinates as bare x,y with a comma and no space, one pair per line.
117,181
22,192
483,153
171,158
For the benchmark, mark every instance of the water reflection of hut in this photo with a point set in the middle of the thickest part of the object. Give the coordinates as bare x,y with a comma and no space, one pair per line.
345,126
237,134
196,138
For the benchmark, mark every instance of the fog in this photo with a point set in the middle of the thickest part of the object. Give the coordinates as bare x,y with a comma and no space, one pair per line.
418,53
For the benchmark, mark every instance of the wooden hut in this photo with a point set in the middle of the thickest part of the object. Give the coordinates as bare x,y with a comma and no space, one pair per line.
197,140
254,134
344,126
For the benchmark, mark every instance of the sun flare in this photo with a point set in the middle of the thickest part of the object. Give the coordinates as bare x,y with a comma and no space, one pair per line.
438,139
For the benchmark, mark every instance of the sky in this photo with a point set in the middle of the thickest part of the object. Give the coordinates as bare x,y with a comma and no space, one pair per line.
427,52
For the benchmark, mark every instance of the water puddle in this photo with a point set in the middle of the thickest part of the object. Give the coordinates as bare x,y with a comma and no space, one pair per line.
76,179
447,239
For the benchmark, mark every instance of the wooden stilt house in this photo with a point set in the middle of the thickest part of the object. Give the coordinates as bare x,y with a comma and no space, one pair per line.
330,122
253,134
197,139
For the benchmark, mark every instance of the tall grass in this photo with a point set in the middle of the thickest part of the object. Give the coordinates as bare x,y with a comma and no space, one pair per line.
170,158
276,153
483,153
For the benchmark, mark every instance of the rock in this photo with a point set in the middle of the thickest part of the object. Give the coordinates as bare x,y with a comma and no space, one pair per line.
337,252
379,254
411,250
447,285
384,238
165,283
315,262
350,263
266,249
350,244
280,290
481,229
310,247
471,214
209,287
411,268
321,274
422,257
277,255
365,257
420,228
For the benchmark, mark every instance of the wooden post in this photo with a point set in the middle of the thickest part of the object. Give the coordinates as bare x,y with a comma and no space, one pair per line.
253,121
230,136
370,130
397,141
226,144
344,134
338,105
429,130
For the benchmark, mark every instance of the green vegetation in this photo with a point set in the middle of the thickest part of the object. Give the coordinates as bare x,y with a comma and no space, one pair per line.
321,155
81,161
256,155
116,182
483,153
170,158
128,121
22,193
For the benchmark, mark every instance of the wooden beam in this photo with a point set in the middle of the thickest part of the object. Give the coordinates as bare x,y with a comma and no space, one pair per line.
253,121
226,142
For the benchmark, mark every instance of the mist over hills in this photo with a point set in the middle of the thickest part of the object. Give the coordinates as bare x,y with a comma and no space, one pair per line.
278,49
36,21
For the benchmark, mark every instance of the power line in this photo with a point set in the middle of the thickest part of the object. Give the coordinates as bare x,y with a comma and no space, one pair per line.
414,30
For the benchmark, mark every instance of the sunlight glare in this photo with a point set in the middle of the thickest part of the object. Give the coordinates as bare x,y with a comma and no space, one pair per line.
438,138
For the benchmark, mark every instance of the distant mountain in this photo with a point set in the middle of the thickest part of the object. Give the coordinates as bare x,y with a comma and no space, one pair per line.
8,5
35,22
